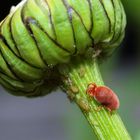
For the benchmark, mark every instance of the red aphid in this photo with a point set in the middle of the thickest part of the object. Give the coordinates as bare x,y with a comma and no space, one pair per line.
104,95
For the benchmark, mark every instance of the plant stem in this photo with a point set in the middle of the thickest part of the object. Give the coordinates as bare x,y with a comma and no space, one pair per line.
76,76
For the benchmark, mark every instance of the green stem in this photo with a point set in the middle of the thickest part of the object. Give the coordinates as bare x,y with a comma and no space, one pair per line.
76,77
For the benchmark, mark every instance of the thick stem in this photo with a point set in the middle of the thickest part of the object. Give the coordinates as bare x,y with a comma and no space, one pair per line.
76,77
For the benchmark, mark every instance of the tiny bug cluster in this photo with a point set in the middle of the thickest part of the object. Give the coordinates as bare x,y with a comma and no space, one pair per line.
104,95
83,105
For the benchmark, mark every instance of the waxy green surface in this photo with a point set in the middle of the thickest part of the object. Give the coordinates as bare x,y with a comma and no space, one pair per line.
40,34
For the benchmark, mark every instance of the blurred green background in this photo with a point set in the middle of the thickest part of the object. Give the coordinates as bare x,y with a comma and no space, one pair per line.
55,118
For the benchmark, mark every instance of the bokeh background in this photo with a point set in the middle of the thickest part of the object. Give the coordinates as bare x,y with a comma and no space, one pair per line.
54,118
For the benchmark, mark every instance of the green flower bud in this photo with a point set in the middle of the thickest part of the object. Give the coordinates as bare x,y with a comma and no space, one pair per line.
37,35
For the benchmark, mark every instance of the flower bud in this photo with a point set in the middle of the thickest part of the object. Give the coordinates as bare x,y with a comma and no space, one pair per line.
37,35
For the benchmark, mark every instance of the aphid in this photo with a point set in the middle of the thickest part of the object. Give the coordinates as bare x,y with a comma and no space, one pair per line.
83,105
104,95
81,72
67,80
70,95
74,89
